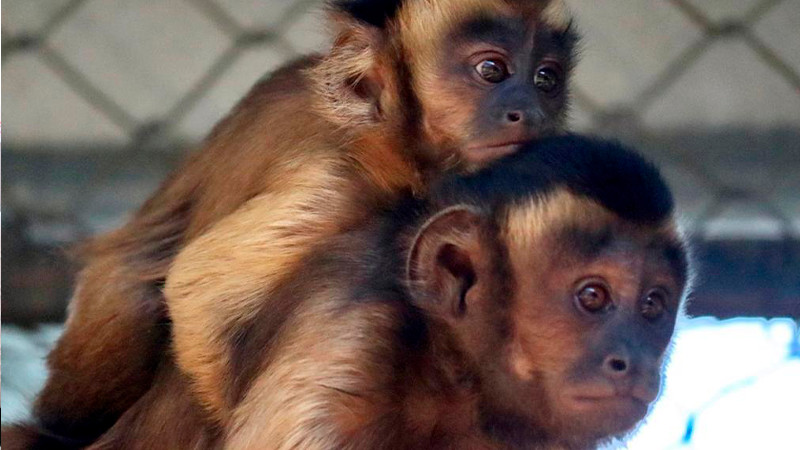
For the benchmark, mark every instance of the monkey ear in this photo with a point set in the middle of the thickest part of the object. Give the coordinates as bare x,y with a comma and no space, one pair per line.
352,81
445,261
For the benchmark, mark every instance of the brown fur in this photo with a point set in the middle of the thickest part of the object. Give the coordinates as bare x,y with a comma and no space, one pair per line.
308,153
340,375
359,364
445,324
167,417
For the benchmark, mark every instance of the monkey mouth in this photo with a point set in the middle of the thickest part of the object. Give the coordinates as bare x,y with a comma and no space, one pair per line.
623,389
626,410
483,153
608,400
629,402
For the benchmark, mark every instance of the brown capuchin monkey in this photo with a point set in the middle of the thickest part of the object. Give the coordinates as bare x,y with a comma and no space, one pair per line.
528,306
411,90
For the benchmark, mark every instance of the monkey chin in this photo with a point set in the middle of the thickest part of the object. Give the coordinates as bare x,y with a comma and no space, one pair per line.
591,421
609,415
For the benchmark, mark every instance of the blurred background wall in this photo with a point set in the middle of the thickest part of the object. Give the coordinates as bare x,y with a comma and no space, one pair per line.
103,98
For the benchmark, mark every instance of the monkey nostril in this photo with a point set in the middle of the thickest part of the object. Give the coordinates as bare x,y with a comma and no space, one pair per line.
616,365
514,116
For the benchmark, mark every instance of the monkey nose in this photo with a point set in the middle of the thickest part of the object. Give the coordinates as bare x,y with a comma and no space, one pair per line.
514,116
616,365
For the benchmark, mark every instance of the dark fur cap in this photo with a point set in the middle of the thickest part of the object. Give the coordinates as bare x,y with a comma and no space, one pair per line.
607,172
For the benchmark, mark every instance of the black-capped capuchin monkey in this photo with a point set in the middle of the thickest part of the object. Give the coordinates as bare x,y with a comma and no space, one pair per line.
410,90
528,306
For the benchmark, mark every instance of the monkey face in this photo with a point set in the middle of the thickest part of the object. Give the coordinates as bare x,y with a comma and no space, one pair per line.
565,317
497,77
590,323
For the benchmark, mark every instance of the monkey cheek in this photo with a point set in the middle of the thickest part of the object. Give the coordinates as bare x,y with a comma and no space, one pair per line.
520,363
648,389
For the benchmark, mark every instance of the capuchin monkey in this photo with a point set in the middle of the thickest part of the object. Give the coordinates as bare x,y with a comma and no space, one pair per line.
529,306
411,90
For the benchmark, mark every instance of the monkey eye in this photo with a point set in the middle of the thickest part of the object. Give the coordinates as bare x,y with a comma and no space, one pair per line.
593,297
492,70
547,79
653,305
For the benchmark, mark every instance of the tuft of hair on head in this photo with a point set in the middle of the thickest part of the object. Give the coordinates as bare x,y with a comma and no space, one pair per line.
616,177
372,12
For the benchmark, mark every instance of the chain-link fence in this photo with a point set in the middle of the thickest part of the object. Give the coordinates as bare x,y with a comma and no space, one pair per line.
103,96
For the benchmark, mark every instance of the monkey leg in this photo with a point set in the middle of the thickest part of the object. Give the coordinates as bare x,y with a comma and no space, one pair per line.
166,417
105,359
116,331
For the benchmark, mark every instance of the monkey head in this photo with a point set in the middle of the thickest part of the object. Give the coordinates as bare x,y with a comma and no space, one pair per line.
470,80
560,283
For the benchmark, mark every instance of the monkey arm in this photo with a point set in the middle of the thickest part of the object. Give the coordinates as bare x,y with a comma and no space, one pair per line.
341,376
328,384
